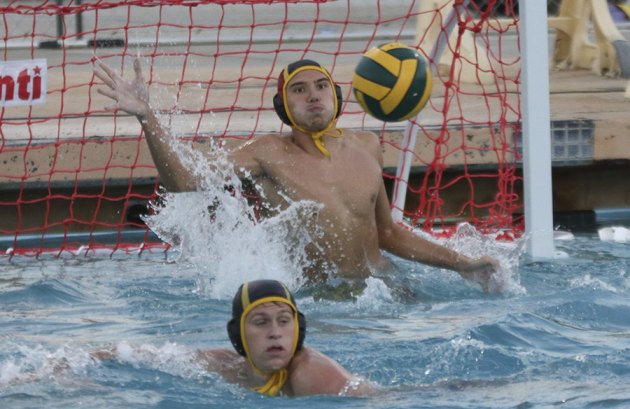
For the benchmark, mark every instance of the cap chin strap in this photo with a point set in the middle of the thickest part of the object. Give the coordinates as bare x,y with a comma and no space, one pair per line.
274,384
317,139
317,136
275,380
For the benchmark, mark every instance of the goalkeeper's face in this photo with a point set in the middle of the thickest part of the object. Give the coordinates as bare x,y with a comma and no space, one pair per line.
311,100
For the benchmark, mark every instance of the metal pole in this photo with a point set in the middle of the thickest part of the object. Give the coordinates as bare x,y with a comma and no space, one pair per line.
79,22
59,21
536,129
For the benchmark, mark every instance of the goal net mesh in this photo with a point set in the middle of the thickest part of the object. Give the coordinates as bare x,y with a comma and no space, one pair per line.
76,177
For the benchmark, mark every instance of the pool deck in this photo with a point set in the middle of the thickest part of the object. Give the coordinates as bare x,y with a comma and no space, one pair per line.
574,95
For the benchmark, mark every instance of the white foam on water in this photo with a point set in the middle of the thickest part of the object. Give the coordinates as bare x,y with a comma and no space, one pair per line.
31,363
587,281
171,358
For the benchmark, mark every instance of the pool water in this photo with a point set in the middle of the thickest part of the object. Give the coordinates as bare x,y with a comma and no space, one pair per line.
558,337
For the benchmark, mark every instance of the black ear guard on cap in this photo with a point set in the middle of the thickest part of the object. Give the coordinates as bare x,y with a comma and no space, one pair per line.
234,332
281,110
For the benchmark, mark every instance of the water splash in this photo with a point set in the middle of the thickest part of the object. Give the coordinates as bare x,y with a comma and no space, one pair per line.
376,295
215,230
469,241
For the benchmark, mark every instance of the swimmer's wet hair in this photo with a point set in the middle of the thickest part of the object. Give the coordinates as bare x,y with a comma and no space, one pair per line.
252,294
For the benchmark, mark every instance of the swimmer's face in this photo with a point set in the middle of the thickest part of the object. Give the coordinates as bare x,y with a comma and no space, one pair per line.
269,330
311,100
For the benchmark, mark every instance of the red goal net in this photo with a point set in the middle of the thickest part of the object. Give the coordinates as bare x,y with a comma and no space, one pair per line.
75,177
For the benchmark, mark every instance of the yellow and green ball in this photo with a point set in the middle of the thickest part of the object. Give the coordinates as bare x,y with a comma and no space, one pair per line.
392,82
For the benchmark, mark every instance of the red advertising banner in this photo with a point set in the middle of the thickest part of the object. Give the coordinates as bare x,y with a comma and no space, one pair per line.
23,82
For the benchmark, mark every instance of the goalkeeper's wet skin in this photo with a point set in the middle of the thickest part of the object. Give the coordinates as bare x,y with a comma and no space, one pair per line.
340,169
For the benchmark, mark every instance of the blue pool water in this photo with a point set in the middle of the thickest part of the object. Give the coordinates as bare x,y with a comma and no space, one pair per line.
559,337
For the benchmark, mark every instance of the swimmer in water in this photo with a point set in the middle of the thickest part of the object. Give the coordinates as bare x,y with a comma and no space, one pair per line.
267,332
342,169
